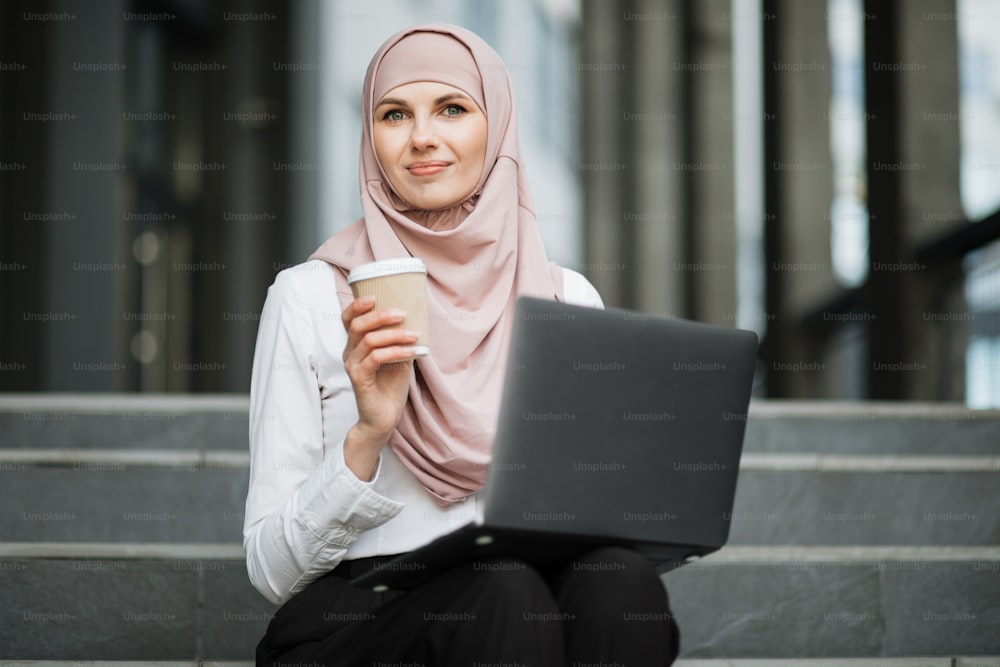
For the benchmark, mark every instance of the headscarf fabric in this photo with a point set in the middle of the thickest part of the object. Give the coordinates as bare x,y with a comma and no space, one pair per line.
488,254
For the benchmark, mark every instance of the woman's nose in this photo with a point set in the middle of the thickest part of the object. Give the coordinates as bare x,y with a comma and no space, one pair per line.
423,135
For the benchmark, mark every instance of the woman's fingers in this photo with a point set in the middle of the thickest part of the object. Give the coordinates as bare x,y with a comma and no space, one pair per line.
359,325
388,337
351,318
360,317
357,307
371,345
382,347
378,339
366,327
377,360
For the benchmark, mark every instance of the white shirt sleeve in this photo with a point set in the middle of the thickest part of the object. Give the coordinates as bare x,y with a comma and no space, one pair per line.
304,507
578,291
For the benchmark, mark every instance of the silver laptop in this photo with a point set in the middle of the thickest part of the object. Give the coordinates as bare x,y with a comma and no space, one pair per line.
615,428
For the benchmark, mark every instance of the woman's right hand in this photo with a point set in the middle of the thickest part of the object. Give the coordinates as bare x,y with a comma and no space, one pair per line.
378,361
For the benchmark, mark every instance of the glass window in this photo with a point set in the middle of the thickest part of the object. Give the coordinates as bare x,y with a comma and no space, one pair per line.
849,209
979,105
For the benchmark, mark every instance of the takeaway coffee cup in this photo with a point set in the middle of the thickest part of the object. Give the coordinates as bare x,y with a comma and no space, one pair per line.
397,283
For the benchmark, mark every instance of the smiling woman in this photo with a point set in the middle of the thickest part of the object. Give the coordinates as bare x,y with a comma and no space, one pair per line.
359,452
430,139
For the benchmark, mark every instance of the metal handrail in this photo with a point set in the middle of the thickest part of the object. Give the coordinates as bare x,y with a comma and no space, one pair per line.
952,246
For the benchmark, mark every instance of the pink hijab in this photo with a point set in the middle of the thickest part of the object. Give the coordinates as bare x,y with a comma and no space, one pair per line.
491,254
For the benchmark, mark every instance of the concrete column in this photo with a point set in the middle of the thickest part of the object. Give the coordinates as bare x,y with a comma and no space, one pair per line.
242,204
802,170
603,83
305,129
24,48
86,257
930,123
914,150
712,200
656,173
633,162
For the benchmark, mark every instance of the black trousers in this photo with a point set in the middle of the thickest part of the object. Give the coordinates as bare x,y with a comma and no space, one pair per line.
608,606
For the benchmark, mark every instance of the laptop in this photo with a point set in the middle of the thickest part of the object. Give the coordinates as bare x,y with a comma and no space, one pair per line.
615,428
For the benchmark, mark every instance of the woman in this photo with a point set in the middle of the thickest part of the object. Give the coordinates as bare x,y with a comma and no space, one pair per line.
358,453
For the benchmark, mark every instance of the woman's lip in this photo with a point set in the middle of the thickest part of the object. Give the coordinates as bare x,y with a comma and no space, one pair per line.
426,168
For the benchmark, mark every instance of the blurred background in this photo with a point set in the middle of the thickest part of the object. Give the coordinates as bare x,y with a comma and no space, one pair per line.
825,172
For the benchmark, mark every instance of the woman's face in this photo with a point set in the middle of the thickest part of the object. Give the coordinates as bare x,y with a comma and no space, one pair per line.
430,139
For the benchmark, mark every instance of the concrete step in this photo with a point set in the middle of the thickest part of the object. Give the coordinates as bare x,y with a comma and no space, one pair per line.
836,427
863,532
787,602
128,602
188,496
847,506
124,421
111,501
172,602
910,661
157,421
129,663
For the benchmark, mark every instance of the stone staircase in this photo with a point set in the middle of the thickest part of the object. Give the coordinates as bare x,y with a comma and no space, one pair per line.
863,534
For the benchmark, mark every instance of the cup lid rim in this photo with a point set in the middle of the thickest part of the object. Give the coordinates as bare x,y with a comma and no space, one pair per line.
386,267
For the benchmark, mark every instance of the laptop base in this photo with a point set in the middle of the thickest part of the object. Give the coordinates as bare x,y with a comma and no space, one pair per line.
476,545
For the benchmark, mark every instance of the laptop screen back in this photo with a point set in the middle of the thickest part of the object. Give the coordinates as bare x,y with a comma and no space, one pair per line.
621,425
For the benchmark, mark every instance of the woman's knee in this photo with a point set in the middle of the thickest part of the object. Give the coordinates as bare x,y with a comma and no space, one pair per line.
509,581
624,565
612,578
620,608
513,616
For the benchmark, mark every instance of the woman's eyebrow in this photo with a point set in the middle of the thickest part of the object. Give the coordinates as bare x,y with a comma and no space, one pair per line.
402,103
450,96
390,100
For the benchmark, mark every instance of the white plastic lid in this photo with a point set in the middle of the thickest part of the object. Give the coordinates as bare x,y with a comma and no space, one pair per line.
386,267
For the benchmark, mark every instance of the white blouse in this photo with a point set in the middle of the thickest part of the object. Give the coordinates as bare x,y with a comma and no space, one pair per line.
306,510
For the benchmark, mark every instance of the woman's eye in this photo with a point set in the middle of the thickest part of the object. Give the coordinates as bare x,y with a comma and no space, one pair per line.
394,115
454,110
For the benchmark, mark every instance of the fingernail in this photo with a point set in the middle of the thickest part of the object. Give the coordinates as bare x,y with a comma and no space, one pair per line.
397,314
413,334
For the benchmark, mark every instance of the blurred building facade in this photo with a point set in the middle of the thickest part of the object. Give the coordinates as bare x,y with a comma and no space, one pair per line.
163,160
167,159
